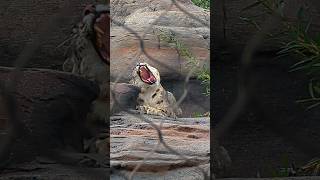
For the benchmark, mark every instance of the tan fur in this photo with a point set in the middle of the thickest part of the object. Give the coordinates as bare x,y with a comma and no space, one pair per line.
154,99
84,60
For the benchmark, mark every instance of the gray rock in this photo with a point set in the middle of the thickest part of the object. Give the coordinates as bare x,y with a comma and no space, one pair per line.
134,141
139,16
121,8
123,96
192,173
50,111
231,30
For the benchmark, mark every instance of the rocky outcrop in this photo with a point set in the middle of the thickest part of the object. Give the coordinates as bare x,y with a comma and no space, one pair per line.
133,139
231,30
49,113
142,18
23,21
184,153
123,96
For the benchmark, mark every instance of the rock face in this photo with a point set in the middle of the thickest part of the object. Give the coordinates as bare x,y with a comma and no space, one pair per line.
50,111
22,21
126,96
135,142
142,18
194,102
123,96
231,30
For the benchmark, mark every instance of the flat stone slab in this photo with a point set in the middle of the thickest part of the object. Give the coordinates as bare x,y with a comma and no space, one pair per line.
135,141
139,16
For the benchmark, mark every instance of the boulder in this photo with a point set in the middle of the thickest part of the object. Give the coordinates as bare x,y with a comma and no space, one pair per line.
231,30
121,9
138,16
23,21
134,141
123,96
50,111
195,102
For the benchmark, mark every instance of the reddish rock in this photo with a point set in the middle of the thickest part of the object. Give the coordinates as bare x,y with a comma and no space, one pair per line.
135,142
138,16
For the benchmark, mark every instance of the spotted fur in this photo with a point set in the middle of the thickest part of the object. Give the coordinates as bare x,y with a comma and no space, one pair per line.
153,98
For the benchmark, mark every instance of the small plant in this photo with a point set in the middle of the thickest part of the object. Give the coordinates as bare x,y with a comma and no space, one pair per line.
205,4
198,114
202,72
311,169
286,169
268,7
297,42
307,49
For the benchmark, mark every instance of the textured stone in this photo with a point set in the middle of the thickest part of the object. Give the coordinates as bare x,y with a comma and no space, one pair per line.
50,111
133,139
141,17
231,30
24,20
123,96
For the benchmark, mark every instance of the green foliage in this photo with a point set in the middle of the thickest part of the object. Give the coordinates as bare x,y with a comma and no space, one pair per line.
197,114
202,3
269,6
312,168
281,172
286,168
202,72
308,51
297,42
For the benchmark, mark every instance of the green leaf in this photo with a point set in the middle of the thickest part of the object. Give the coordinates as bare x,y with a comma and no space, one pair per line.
257,3
299,68
302,62
313,106
288,49
311,92
308,100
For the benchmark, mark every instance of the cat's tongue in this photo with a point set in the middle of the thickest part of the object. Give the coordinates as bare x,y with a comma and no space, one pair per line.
151,79
144,73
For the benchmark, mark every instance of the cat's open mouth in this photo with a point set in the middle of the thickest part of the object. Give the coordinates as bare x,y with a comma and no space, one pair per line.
101,28
146,75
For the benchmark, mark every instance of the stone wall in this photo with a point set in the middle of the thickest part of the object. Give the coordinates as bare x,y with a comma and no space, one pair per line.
21,21
229,29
